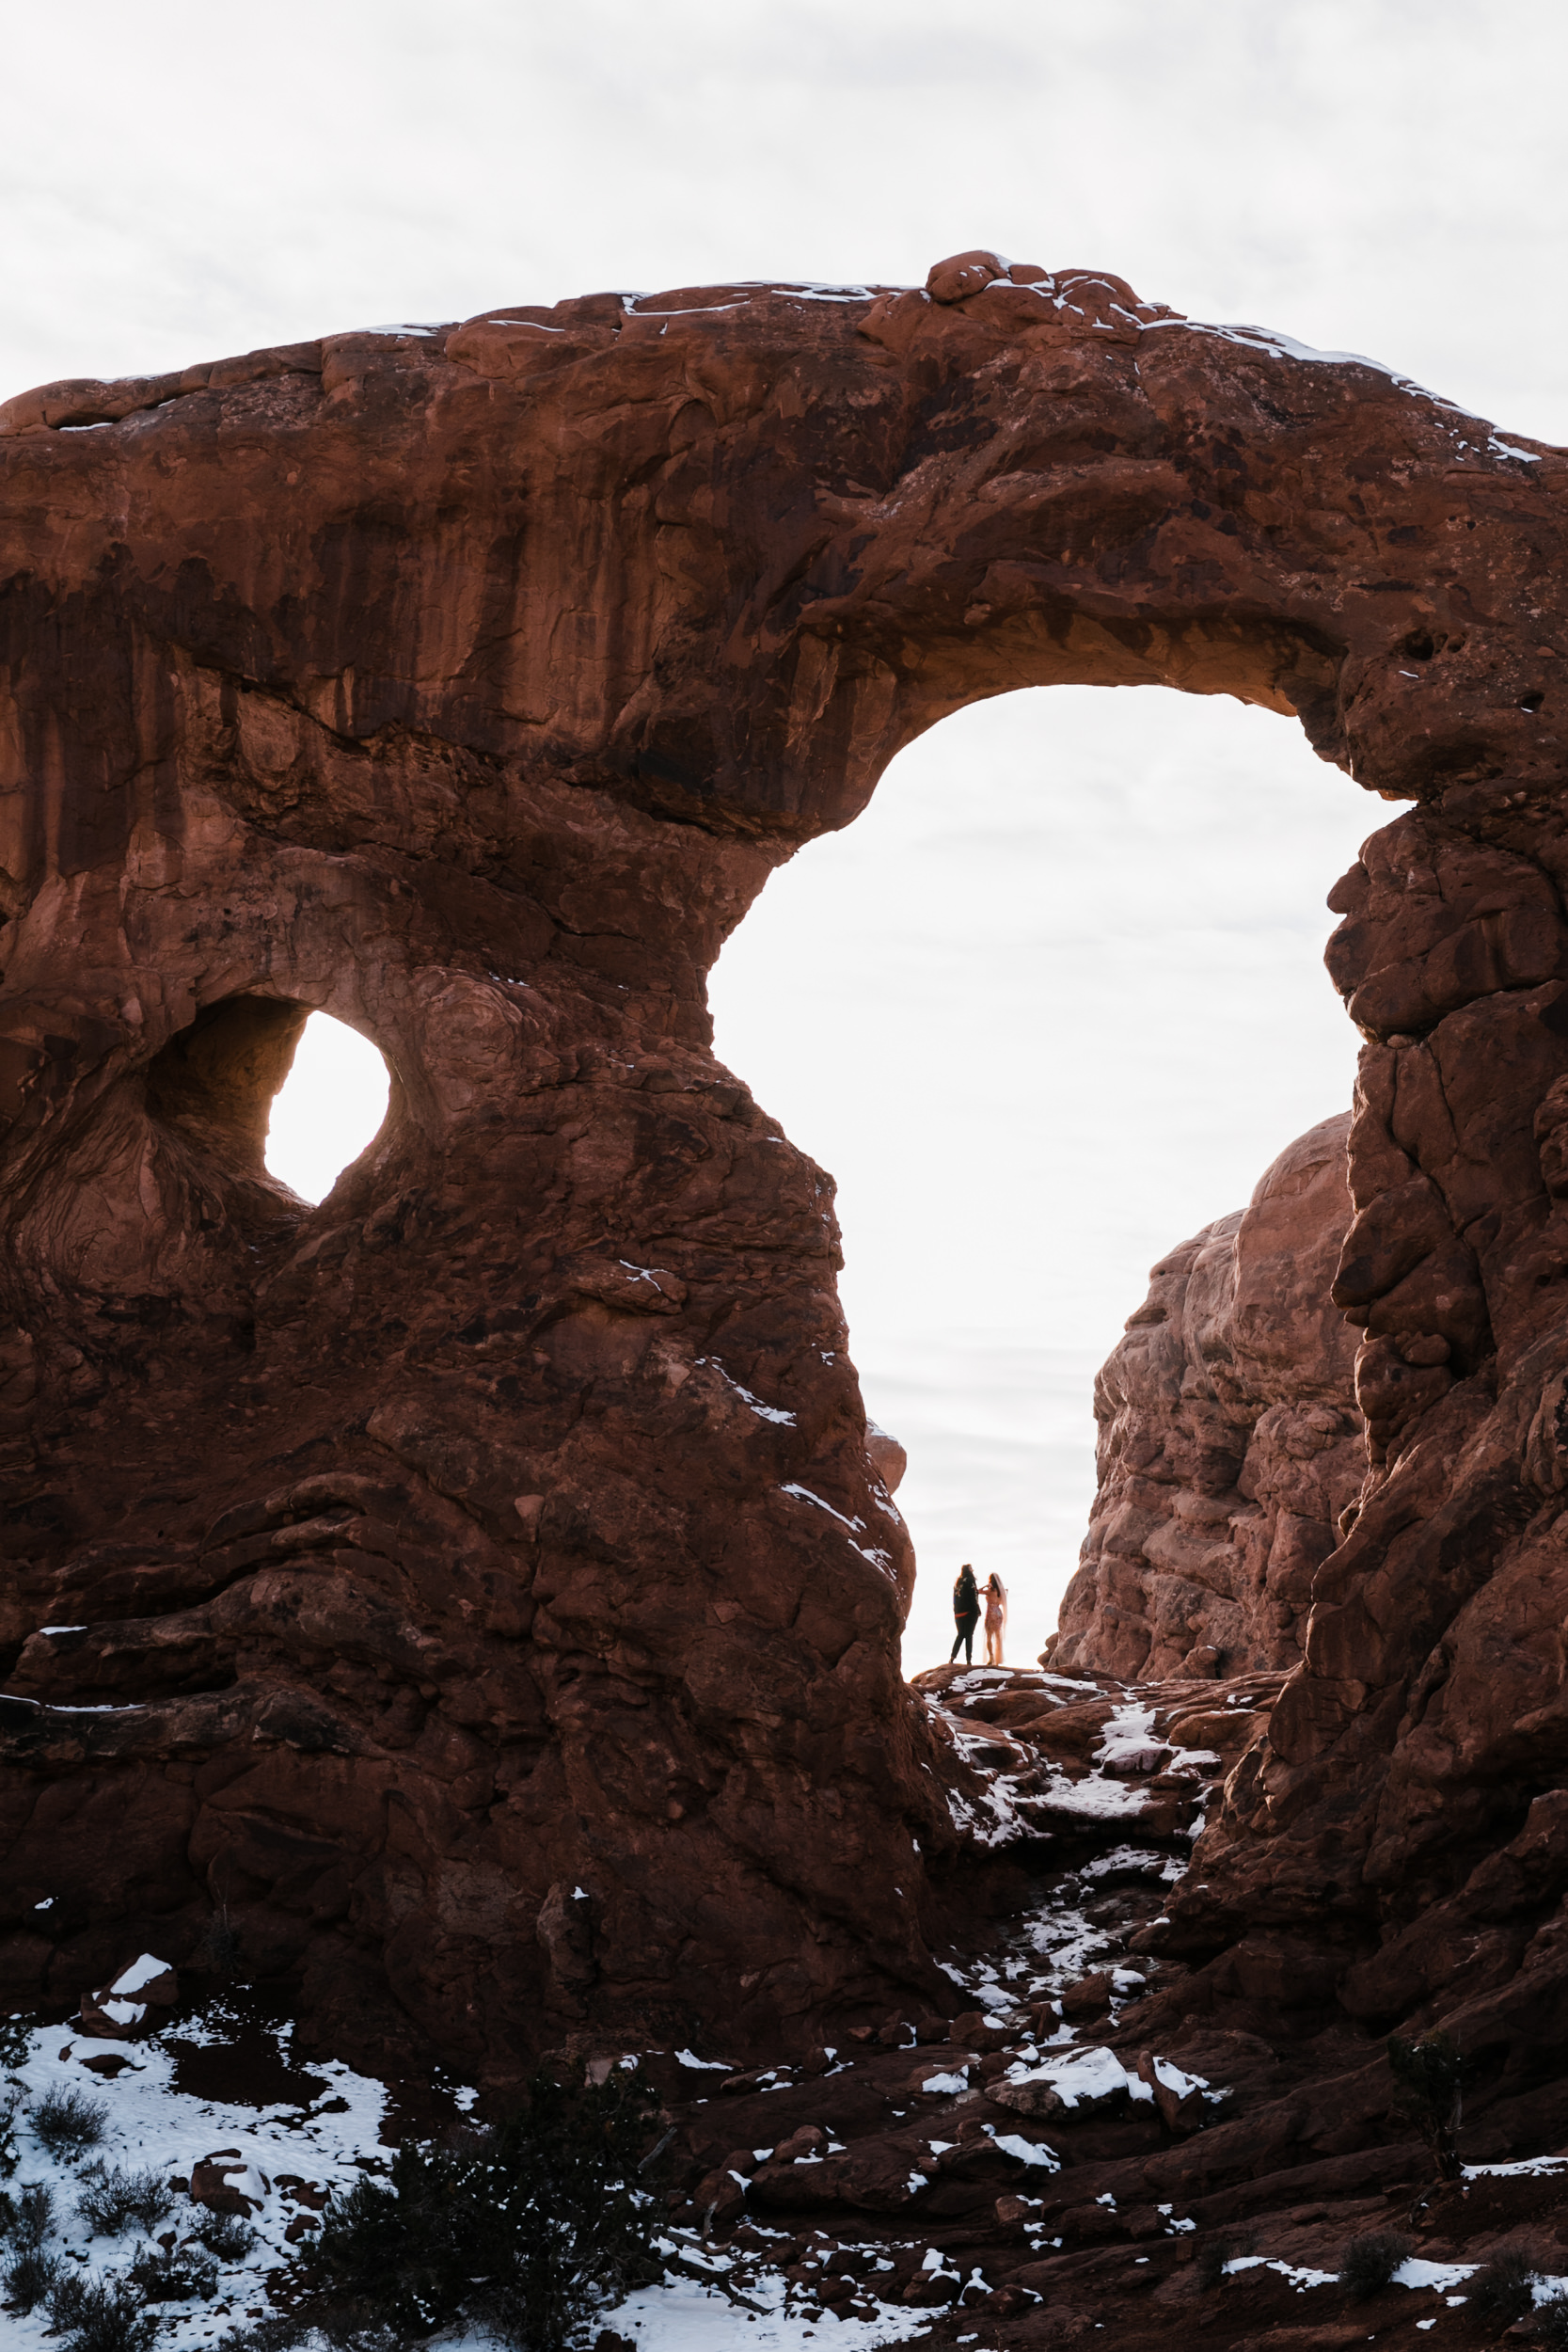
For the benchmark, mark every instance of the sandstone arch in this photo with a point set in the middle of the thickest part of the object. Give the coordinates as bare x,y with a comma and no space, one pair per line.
506,1524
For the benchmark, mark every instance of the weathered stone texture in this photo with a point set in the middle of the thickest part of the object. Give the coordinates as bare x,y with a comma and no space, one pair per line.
1229,1441
505,1524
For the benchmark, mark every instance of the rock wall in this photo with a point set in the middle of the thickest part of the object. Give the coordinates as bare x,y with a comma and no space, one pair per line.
1229,1441
380,1575
1403,1818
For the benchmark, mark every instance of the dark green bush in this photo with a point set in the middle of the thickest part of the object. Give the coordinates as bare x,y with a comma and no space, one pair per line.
525,2233
1369,2263
1502,2290
103,2315
174,2276
116,2199
65,2122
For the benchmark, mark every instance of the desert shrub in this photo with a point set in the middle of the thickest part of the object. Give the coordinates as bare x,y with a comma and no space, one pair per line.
1430,2076
1503,2289
27,2219
273,2334
228,2236
219,1948
29,2278
1369,2263
524,2234
32,2214
116,2199
1210,2260
174,2275
16,2041
65,2122
103,2315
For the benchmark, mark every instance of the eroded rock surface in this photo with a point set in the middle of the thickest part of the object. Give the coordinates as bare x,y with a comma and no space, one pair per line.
1229,1441
380,1575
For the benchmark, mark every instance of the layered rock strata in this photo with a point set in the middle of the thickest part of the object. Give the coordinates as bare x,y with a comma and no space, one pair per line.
381,1575
1229,1443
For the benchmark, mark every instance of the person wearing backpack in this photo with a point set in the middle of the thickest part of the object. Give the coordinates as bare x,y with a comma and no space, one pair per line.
966,1613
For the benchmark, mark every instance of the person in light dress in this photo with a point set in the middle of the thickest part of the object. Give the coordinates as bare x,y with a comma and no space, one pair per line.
996,1617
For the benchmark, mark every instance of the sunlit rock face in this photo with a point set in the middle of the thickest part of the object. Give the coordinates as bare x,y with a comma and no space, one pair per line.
1230,1441
379,1575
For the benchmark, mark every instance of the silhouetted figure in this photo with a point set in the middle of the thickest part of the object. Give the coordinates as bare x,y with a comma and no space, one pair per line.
996,1617
966,1613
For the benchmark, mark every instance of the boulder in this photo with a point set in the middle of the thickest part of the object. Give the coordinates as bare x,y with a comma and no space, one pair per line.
1032,2095
142,1992
227,2181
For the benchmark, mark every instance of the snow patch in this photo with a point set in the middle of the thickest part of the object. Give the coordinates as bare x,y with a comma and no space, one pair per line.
763,1412
1445,2277
142,1971
1525,2167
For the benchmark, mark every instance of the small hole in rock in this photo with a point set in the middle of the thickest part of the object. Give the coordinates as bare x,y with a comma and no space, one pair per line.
1532,700
328,1108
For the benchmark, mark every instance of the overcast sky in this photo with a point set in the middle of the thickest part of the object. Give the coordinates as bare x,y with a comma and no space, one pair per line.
1054,1000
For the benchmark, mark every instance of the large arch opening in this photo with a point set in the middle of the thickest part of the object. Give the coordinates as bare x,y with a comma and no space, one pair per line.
1053,1003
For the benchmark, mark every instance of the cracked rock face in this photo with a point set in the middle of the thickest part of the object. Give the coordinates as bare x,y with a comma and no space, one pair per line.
379,1575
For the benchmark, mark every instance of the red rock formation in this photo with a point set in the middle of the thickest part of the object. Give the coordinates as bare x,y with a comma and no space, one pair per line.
1229,1443
1404,1810
504,1525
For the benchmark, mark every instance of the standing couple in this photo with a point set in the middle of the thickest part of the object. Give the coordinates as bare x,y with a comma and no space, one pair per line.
966,1616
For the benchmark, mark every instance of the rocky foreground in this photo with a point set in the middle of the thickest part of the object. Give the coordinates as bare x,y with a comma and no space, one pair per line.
1106,2139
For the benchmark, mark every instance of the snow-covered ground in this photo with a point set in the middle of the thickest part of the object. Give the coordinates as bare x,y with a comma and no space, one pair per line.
168,2109
685,2317
148,2123
320,2142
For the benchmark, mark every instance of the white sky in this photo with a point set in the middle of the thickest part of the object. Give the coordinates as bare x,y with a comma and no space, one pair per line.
334,1100
1054,1000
